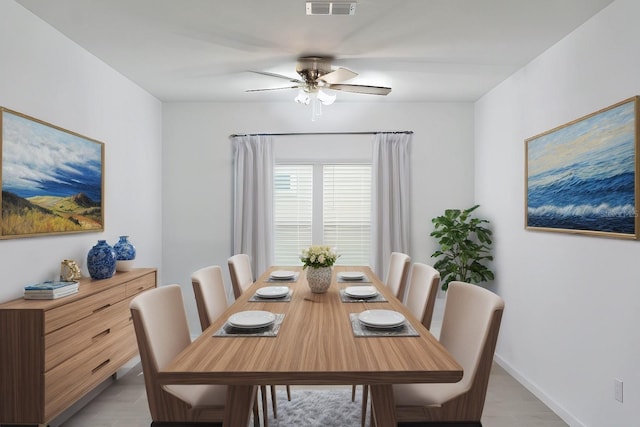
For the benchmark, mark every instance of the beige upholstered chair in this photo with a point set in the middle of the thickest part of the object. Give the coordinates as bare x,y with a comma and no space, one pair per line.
160,323
421,295
241,273
211,298
241,278
397,273
469,332
421,299
396,280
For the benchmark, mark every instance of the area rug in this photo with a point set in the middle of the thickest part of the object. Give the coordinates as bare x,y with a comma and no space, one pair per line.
317,408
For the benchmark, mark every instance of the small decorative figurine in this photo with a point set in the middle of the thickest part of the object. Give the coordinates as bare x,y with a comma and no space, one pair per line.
69,271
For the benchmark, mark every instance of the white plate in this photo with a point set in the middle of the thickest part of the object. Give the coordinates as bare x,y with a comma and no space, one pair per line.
381,318
361,291
282,274
351,275
251,319
273,292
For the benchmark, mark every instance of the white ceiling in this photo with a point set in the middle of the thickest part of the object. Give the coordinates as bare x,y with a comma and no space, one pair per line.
426,50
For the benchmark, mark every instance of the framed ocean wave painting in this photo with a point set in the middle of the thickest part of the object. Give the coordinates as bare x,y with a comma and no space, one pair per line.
52,179
582,177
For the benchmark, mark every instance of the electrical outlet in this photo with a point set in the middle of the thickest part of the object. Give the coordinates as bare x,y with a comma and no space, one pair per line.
617,389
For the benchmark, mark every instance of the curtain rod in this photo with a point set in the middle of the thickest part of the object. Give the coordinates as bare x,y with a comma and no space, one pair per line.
317,133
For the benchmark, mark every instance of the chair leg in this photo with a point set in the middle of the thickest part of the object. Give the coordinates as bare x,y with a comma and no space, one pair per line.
265,408
256,414
274,403
353,393
372,420
365,398
289,393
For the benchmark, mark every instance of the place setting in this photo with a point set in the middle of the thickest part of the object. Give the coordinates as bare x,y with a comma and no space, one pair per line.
272,294
283,276
254,323
361,293
353,277
376,323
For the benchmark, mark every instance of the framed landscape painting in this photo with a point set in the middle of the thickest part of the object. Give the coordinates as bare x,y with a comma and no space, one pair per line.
582,177
52,179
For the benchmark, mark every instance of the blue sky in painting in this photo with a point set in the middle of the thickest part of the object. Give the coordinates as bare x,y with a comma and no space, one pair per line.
39,160
605,140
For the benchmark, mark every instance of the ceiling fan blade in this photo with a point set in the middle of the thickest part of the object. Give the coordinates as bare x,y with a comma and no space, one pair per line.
369,90
274,88
278,76
337,76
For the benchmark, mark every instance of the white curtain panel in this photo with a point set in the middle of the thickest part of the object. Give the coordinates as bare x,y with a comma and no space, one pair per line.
391,221
253,199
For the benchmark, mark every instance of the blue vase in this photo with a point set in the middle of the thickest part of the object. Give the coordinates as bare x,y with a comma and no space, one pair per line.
124,249
125,254
101,260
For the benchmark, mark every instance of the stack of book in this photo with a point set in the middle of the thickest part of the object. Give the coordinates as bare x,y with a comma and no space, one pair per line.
50,290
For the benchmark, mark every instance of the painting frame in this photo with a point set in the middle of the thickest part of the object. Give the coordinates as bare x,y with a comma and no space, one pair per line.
52,179
582,177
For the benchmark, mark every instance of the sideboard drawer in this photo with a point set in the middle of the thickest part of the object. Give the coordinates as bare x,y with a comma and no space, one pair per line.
85,370
61,316
63,343
136,286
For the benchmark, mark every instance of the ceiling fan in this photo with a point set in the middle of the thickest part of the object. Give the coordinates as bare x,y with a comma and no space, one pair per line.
317,74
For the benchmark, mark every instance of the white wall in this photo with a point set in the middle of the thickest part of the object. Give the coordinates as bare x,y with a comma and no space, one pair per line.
46,76
198,168
572,302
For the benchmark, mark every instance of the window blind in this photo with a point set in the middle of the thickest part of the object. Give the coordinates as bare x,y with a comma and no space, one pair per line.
292,212
346,206
342,216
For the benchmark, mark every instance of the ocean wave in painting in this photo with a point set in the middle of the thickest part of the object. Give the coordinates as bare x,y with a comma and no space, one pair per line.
602,211
599,202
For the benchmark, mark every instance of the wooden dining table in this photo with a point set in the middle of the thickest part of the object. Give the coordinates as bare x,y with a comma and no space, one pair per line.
315,345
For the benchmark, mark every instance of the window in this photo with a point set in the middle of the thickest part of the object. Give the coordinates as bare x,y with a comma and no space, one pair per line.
292,212
346,215
322,204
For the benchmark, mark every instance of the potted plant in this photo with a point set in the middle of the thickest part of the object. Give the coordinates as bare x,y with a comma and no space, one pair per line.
465,247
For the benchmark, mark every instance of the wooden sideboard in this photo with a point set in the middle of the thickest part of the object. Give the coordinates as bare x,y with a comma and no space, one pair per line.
53,352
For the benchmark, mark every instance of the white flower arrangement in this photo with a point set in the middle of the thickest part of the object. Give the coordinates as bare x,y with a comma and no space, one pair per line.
318,256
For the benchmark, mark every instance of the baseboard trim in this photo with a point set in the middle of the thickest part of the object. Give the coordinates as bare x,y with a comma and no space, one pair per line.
189,424
560,411
440,424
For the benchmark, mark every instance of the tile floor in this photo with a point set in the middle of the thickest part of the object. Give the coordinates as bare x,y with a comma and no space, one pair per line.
508,403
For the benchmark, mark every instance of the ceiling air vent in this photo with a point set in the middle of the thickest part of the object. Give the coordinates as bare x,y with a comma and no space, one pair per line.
331,8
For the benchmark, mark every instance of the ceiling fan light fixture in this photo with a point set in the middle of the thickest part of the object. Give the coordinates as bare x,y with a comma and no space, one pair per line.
317,98
326,98
302,98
